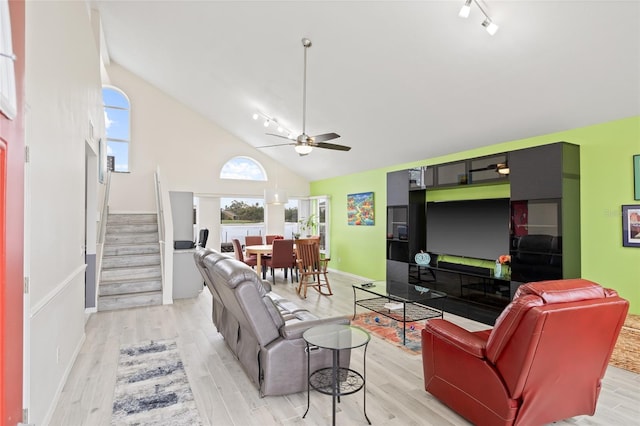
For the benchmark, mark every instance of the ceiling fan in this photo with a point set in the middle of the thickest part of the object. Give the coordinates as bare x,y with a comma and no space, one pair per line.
304,143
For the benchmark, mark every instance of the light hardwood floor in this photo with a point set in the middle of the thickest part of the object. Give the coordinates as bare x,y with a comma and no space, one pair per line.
224,395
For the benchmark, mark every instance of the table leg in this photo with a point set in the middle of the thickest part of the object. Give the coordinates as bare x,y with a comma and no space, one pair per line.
259,264
308,384
354,303
364,385
336,383
404,323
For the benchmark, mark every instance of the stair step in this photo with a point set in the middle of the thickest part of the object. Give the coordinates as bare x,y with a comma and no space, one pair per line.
133,249
133,228
128,287
132,218
124,301
132,273
126,261
148,237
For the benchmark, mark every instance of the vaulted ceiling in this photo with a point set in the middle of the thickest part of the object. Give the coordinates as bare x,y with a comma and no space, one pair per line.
398,80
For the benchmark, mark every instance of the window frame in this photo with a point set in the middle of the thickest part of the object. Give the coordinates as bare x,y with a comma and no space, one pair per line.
8,96
118,140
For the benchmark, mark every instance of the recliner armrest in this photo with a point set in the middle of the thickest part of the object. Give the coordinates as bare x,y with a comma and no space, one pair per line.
296,329
472,343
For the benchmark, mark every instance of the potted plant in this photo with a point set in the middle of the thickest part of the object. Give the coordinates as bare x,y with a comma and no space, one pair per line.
307,225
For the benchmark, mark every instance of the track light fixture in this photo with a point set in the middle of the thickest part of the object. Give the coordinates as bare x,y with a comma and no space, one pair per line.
268,121
466,9
490,26
488,23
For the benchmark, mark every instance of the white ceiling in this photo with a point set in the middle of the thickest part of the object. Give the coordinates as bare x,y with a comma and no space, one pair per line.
400,81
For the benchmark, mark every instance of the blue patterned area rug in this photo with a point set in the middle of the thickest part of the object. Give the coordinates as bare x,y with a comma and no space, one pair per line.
152,387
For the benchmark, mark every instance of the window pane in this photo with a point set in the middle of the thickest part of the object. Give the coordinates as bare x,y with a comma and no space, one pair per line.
119,150
117,123
114,98
243,168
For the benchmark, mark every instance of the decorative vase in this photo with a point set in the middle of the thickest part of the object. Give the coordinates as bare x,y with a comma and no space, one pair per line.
497,272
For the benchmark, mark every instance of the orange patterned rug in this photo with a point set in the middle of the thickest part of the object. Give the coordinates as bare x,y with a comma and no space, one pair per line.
391,330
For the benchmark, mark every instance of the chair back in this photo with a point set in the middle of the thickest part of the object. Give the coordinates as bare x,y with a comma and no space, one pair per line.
253,240
308,254
553,342
282,254
269,238
237,249
203,237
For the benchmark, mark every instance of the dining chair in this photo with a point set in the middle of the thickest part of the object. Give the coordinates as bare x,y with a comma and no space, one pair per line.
269,238
281,257
253,240
312,268
251,260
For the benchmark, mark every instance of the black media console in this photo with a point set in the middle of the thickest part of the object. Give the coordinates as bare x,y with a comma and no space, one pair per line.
434,209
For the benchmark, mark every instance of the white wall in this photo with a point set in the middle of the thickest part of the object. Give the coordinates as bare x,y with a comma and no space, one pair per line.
63,92
189,149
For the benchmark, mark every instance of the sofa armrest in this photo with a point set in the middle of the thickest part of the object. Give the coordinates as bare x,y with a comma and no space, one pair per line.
294,330
473,343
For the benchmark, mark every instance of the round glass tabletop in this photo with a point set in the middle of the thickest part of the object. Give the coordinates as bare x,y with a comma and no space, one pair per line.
336,336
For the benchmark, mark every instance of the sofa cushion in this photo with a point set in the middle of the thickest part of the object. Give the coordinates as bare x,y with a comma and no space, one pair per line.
232,272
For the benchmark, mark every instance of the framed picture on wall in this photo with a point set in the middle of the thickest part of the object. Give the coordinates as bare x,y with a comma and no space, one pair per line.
636,177
631,225
360,211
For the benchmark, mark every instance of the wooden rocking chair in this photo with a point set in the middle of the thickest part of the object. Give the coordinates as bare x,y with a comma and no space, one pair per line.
312,268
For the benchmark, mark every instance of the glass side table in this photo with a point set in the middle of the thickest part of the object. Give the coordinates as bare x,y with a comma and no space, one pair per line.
335,380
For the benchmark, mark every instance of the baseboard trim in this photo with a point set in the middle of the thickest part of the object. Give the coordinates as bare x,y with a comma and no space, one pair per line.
347,274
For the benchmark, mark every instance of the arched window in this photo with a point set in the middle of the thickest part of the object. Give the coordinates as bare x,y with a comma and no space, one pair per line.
117,120
243,168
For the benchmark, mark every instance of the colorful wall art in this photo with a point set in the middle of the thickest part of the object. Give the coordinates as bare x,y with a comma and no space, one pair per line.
360,210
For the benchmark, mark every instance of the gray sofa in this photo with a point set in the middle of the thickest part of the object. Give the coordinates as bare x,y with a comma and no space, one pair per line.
262,329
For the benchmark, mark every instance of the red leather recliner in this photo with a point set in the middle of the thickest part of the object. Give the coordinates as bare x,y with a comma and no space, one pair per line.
543,361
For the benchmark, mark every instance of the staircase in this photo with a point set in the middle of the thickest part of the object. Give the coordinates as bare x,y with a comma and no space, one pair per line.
131,273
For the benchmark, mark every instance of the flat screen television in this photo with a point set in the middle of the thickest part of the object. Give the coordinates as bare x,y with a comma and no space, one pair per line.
469,228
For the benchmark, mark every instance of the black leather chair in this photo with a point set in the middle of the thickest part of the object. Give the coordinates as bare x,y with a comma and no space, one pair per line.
203,237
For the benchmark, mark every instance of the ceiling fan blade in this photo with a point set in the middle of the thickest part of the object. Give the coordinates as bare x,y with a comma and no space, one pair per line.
280,136
278,144
332,146
325,137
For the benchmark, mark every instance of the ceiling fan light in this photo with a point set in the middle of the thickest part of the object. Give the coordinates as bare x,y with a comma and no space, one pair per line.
465,10
266,122
255,116
303,149
490,26
280,128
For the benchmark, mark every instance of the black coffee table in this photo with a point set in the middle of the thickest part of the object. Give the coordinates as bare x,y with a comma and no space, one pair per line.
399,301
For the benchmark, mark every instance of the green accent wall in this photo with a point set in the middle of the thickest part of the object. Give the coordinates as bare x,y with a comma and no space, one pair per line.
606,171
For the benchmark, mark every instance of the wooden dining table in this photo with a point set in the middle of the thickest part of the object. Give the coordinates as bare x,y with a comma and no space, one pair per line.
259,250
